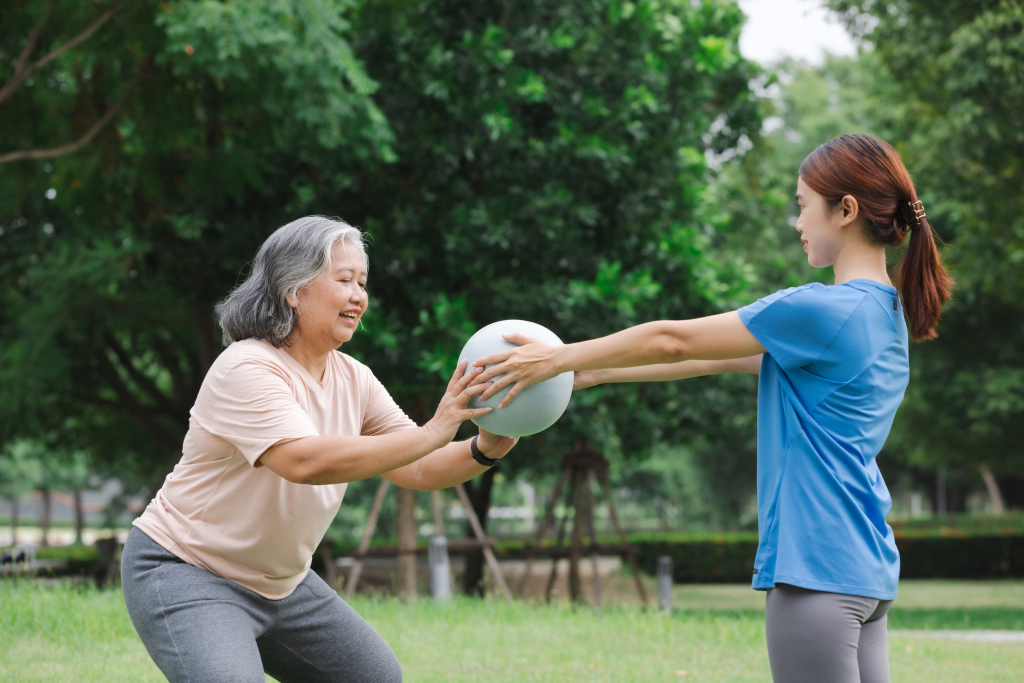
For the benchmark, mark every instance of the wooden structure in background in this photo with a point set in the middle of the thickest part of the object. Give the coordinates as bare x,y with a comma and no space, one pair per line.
480,541
582,467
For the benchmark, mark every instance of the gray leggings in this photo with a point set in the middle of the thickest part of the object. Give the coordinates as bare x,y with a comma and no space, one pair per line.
816,637
200,628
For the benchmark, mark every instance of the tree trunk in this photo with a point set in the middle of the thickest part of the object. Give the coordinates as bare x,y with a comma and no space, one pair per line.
993,490
47,516
479,492
79,517
406,542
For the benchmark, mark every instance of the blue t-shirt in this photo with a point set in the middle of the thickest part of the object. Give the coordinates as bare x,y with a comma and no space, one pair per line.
830,384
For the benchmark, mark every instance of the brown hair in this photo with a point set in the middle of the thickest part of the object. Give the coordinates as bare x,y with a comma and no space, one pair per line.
871,171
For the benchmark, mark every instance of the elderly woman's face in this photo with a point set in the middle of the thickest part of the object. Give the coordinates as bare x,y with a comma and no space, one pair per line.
330,308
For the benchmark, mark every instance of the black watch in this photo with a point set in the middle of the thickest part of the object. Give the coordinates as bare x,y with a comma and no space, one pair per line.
480,457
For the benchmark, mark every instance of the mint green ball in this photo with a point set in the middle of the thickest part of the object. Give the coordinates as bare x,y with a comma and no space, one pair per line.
535,408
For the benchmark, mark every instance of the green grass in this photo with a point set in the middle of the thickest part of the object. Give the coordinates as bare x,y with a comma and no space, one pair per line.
74,634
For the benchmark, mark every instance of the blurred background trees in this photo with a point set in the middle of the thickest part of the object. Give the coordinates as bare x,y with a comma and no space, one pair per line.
584,165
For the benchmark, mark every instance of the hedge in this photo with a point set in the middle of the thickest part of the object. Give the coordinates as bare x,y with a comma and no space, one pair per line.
730,559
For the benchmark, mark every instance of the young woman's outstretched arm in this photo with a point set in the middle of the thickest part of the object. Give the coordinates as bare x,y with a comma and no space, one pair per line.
665,342
666,372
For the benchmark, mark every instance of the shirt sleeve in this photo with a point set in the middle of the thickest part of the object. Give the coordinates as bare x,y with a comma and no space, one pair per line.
383,415
796,325
252,407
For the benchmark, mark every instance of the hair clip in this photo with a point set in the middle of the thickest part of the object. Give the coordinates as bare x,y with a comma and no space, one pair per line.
918,208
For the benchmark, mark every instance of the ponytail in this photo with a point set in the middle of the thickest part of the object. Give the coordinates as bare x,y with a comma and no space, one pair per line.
870,170
923,280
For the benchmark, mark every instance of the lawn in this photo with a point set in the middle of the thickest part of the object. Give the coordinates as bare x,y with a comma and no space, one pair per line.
717,634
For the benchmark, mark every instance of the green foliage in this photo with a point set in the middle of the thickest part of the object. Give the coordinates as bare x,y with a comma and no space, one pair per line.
107,290
950,78
20,469
77,553
548,170
530,160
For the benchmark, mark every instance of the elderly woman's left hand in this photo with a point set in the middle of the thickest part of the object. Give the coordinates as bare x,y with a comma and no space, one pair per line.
494,446
531,362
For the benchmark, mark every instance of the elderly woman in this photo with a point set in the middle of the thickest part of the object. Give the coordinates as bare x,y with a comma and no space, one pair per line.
216,570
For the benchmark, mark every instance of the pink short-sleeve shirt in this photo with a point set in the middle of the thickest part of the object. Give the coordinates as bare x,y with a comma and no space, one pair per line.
242,522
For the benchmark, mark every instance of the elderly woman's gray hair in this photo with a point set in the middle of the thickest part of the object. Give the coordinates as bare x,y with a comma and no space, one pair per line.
288,261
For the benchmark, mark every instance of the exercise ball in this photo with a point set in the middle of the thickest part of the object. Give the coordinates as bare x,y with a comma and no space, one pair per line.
535,408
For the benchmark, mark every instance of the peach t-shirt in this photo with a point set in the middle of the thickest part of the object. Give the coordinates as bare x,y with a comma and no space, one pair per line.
244,523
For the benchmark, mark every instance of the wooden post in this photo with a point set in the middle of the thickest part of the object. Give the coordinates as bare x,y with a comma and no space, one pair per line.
478,531
79,517
630,553
330,570
590,503
576,545
406,562
549,515
558,544
364,542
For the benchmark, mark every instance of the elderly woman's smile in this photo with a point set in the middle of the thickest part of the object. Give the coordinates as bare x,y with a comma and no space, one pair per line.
330,307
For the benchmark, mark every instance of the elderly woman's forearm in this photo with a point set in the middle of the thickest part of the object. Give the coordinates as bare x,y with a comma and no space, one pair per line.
343,459
441,469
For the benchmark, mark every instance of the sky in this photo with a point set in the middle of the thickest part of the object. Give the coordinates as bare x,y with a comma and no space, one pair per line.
793,28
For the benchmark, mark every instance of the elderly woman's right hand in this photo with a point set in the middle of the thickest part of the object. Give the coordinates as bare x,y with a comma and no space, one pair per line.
452,410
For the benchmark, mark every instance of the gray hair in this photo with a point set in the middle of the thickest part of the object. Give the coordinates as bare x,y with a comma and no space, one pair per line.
288,261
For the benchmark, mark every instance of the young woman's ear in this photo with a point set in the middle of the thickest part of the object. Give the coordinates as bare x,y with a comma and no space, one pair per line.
848,205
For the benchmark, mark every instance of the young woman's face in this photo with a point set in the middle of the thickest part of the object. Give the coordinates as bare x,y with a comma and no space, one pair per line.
820,227
330,308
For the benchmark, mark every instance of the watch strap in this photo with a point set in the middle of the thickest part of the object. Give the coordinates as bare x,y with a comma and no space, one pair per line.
480,457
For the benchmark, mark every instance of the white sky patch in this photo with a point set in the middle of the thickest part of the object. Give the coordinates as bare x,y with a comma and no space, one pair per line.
802,29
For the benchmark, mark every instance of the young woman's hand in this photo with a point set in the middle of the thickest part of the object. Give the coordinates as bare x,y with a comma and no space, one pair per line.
452,410
494,446
529,363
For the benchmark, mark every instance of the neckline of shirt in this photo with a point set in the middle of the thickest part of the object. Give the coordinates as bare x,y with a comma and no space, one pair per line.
304,373
874,283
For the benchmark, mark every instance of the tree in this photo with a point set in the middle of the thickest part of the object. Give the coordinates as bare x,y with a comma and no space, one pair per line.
112,258
534,160
955,90
550,166
19,473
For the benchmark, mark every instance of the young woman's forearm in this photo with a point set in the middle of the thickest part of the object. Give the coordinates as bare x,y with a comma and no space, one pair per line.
717,337
441,469
666,372
342,459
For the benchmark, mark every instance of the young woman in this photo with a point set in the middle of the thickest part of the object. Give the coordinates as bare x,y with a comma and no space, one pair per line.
216,570
833,368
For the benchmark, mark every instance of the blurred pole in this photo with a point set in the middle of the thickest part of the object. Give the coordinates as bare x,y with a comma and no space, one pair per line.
440,569
437,554
665,583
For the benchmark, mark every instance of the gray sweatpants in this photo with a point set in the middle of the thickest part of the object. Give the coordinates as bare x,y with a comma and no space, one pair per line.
201,628
816,637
